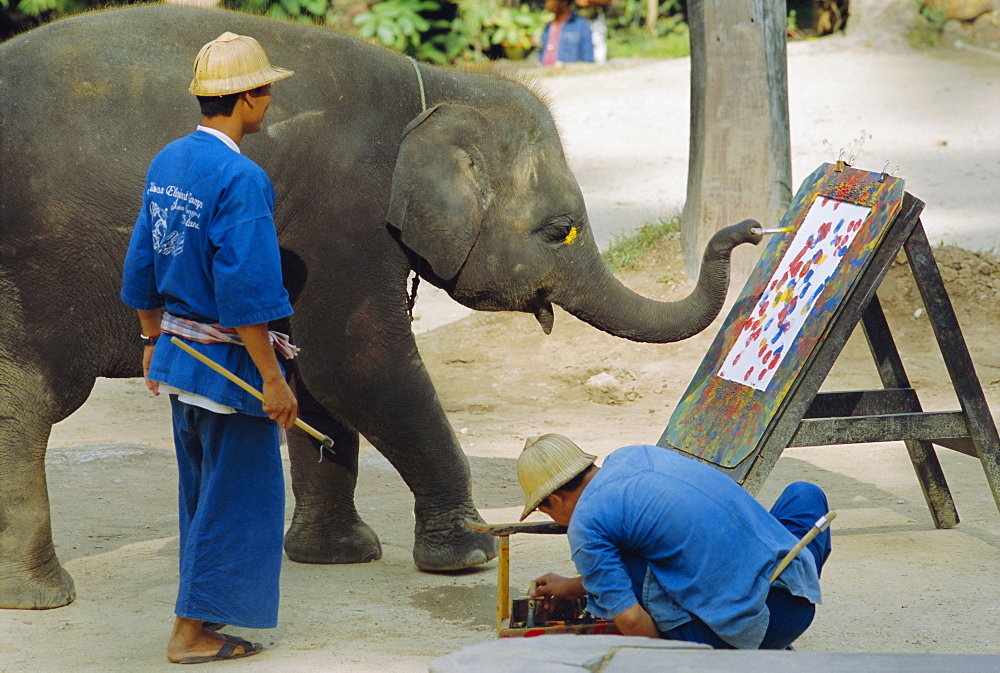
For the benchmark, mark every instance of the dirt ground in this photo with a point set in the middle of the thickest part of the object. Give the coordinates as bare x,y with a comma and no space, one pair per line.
893,584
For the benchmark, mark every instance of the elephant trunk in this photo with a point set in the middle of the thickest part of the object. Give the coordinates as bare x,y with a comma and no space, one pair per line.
613,308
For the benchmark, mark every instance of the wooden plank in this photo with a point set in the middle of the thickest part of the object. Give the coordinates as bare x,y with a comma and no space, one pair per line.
925,462
538,527
960,444
861,402
956,356
880,428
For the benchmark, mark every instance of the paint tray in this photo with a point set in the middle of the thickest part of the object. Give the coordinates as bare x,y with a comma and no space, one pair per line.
531,617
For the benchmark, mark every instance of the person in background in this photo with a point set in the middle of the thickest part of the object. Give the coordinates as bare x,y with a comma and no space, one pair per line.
567,38
595,13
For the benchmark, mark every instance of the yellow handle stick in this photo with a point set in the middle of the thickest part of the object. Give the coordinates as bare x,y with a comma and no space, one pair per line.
209,362
821,525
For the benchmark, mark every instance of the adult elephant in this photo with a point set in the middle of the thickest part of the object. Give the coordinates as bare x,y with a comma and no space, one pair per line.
470,190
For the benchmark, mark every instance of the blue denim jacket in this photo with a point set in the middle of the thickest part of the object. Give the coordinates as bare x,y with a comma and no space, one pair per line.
575,42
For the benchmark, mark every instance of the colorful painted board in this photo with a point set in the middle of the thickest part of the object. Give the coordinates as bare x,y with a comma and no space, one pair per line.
835,222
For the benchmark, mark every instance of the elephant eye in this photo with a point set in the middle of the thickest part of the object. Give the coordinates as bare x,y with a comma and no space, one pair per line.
560,230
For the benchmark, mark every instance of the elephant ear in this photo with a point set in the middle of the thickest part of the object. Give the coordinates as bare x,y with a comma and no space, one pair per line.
440,187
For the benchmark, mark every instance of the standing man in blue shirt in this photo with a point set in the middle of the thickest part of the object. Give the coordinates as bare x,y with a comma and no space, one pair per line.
204,264
669,547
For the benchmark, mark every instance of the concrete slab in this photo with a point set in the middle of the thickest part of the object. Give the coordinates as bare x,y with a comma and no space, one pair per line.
621,654
551,654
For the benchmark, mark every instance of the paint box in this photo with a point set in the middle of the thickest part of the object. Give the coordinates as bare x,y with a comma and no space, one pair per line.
545,617
550,617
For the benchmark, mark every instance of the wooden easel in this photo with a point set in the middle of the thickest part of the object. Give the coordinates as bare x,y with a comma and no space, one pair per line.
807,417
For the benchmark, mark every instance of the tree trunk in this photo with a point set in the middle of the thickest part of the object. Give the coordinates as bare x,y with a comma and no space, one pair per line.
740,161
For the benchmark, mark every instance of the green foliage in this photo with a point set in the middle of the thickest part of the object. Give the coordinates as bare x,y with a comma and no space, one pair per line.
516,27
41,8
927,29
675,44
477,26
399,25
631,15
629,35
625,251
308,12
480,24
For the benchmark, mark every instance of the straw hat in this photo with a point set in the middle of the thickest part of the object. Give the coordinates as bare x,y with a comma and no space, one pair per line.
233,63
547,463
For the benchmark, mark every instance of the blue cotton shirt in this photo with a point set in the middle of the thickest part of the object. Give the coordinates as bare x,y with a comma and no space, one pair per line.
205,248
682,539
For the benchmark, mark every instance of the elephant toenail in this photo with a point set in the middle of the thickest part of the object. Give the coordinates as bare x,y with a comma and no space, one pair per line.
475,557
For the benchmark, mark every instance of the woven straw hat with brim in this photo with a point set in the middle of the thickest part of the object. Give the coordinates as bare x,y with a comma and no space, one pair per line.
233,63
546,464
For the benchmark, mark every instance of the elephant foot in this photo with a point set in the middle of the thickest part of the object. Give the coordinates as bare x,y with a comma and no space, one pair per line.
38,590
446,543
312,544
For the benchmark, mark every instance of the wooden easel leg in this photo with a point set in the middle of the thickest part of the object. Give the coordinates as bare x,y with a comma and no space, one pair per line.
922,455
982,428
503,581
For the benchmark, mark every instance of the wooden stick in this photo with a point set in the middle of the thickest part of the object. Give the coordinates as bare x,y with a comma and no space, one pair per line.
204,359
503,581
547,527
821,525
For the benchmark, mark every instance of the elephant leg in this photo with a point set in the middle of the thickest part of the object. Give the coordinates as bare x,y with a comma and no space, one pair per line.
326,527
419,442
442,540
367,371
30,574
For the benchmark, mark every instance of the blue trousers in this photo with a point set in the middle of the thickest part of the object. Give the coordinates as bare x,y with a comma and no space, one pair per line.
800,505
232,514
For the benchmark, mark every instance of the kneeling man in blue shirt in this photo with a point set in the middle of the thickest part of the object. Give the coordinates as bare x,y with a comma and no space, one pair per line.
669,547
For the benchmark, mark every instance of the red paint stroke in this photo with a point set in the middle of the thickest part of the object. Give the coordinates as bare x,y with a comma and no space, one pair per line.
790,306
824,229
747,375
784,279
796,263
